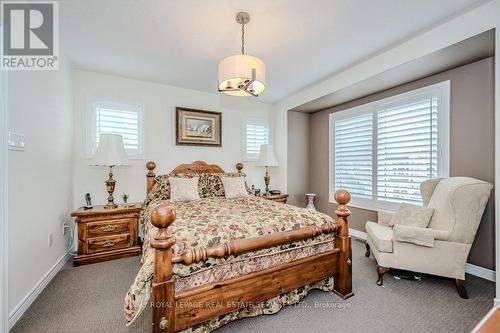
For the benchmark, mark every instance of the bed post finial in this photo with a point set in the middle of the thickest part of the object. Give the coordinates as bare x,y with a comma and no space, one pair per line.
342,197
239,167
163,298
343,282
150,177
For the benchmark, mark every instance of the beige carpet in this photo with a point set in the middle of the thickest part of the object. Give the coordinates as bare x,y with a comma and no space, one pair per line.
90,299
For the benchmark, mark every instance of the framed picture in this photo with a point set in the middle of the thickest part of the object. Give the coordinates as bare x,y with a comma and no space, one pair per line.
198,127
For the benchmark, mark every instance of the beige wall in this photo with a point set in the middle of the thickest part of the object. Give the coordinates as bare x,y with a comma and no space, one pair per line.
298,157
472,144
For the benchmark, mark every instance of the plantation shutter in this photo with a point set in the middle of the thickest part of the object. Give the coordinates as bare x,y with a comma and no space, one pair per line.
255,136
353,155
119,121
406,149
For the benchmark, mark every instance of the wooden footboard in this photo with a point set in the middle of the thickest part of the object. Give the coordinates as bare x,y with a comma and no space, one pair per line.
173,312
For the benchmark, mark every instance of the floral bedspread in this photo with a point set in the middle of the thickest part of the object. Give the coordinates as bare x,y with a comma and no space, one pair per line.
214,220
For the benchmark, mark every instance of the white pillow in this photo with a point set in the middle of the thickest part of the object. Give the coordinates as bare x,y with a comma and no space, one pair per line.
183,189
412,215
234,187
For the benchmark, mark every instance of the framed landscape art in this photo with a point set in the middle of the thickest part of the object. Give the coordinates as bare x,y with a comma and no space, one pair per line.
198,127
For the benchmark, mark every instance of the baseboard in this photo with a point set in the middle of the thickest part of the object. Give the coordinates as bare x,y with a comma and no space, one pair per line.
357,234
496,302
37,289
481,272
478,271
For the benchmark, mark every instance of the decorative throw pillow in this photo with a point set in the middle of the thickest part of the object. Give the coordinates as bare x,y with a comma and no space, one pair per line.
211,185
234,187
239,174
184,189
412,215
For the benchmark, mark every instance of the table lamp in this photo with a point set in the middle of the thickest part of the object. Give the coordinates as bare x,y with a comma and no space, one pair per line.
267,158
110,152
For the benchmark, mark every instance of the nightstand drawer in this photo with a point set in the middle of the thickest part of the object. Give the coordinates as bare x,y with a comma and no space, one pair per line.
105,228
108,243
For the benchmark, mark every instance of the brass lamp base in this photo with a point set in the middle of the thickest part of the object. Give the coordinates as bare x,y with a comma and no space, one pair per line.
267,180
110,186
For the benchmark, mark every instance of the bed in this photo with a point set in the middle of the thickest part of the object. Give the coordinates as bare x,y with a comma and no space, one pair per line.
214,260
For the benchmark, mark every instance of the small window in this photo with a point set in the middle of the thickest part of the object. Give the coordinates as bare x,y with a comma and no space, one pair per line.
255,134
382,151
118,118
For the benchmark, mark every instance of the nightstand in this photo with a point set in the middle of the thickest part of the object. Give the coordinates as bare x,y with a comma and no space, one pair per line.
106,234
276,197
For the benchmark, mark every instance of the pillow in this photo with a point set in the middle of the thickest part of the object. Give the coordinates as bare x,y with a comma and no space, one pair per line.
234,187
239,174
184,189
211,185
412,215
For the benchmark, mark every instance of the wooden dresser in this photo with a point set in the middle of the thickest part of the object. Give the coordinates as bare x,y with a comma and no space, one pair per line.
106,234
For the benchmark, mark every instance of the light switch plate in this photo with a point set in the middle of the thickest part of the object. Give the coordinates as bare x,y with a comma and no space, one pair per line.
16,141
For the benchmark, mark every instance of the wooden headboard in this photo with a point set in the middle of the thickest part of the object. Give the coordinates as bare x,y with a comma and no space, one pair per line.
197,167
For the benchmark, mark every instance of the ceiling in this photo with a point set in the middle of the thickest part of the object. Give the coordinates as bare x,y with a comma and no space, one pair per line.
181,42
465,52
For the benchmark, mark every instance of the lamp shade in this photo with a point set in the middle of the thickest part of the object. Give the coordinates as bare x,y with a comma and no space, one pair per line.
110,151
235,72
267,156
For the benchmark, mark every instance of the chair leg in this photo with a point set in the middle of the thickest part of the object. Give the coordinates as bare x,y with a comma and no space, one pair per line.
381,271
460,284
367,253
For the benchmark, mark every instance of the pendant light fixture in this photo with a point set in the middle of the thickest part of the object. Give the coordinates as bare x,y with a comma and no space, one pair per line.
242,74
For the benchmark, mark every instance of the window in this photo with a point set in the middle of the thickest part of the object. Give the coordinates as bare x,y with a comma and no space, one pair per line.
255,134
382,151
114,117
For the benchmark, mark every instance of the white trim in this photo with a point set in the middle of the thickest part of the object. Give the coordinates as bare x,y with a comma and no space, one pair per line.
90,129
496,302
485,318
471,269
357,234
481,272
442,90
26,302
4,194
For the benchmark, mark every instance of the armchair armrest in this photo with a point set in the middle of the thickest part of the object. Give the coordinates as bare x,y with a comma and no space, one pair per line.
414,235
384,218
419,236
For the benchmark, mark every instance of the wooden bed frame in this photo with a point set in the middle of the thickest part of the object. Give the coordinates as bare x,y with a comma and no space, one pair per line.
239,292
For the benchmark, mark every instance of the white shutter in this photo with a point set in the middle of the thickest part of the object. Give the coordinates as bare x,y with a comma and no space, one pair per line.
353,155
256,134
118,118
406,149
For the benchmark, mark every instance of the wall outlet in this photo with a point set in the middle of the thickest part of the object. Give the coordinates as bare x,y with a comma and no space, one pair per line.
50,239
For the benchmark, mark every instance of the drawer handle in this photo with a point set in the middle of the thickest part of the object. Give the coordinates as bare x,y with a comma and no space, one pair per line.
108,243
109,228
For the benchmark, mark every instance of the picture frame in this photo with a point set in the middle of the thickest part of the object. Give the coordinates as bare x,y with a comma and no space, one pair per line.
198,127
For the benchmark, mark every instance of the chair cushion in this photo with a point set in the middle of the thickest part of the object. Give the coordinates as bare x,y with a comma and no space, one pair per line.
411,215
380,235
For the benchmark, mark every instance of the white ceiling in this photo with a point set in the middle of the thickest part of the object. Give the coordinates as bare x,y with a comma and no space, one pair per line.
180,42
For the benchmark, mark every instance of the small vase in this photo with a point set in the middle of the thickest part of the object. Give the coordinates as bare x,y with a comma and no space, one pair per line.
310,201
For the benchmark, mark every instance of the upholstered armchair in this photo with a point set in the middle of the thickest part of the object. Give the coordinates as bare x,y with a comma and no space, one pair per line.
441,248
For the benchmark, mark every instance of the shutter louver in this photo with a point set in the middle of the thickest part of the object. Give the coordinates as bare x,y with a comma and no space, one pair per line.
123,122
256,135
353,155
406,150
